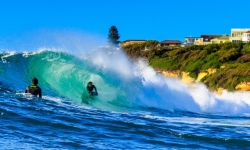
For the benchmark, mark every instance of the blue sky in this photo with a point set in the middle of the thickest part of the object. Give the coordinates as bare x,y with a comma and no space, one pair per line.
135,19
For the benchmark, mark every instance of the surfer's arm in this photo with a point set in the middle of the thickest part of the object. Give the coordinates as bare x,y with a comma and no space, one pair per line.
95,89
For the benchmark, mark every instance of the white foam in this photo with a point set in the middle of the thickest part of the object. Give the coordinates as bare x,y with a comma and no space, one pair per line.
201,121
199,98
12,53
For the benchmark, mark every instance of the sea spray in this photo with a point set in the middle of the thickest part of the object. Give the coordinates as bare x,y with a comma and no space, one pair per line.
195,98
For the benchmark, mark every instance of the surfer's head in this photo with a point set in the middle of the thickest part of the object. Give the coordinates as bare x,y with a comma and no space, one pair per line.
34,81
90,84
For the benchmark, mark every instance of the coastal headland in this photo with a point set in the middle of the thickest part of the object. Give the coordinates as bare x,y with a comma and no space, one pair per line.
220,67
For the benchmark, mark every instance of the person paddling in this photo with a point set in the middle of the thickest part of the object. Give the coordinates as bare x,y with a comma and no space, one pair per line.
34,89
91,88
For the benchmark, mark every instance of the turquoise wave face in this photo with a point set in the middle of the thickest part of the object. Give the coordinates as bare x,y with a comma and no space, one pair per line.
60,72
66,75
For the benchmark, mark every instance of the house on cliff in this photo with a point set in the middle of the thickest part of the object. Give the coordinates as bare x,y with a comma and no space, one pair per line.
169,44
189,41
220,40
237,34
205,39
246,37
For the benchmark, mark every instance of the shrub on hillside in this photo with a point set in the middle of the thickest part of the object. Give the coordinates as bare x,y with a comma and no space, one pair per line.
246,48
211,48
229,55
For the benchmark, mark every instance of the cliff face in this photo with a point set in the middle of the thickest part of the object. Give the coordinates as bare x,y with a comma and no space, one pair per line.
243,86
184,77
174,74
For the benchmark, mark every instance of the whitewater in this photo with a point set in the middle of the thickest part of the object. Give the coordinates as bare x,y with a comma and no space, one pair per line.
136,108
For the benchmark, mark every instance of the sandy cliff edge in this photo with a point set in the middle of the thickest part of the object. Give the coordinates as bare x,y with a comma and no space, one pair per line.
185,78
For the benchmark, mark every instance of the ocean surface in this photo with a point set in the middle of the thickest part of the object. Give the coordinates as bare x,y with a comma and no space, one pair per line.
136,108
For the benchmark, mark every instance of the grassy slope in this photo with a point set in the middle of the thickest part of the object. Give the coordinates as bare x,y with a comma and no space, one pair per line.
234,57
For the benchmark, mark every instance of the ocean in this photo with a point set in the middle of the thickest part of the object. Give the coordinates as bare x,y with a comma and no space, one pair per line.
136,108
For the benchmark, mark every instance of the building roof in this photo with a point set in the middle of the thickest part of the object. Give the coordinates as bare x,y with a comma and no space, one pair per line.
223,37
248,31
211,35
132,40
171,42
240,29
207,38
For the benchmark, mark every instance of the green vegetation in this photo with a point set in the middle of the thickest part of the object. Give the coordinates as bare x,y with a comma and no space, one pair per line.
231,60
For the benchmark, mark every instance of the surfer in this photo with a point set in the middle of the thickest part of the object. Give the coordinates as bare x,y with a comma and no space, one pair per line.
34,89
90,88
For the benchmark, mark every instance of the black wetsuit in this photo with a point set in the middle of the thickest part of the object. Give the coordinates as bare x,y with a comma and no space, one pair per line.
91,88
34,90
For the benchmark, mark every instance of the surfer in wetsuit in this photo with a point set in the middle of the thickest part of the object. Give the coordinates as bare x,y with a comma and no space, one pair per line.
90,88
34,89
